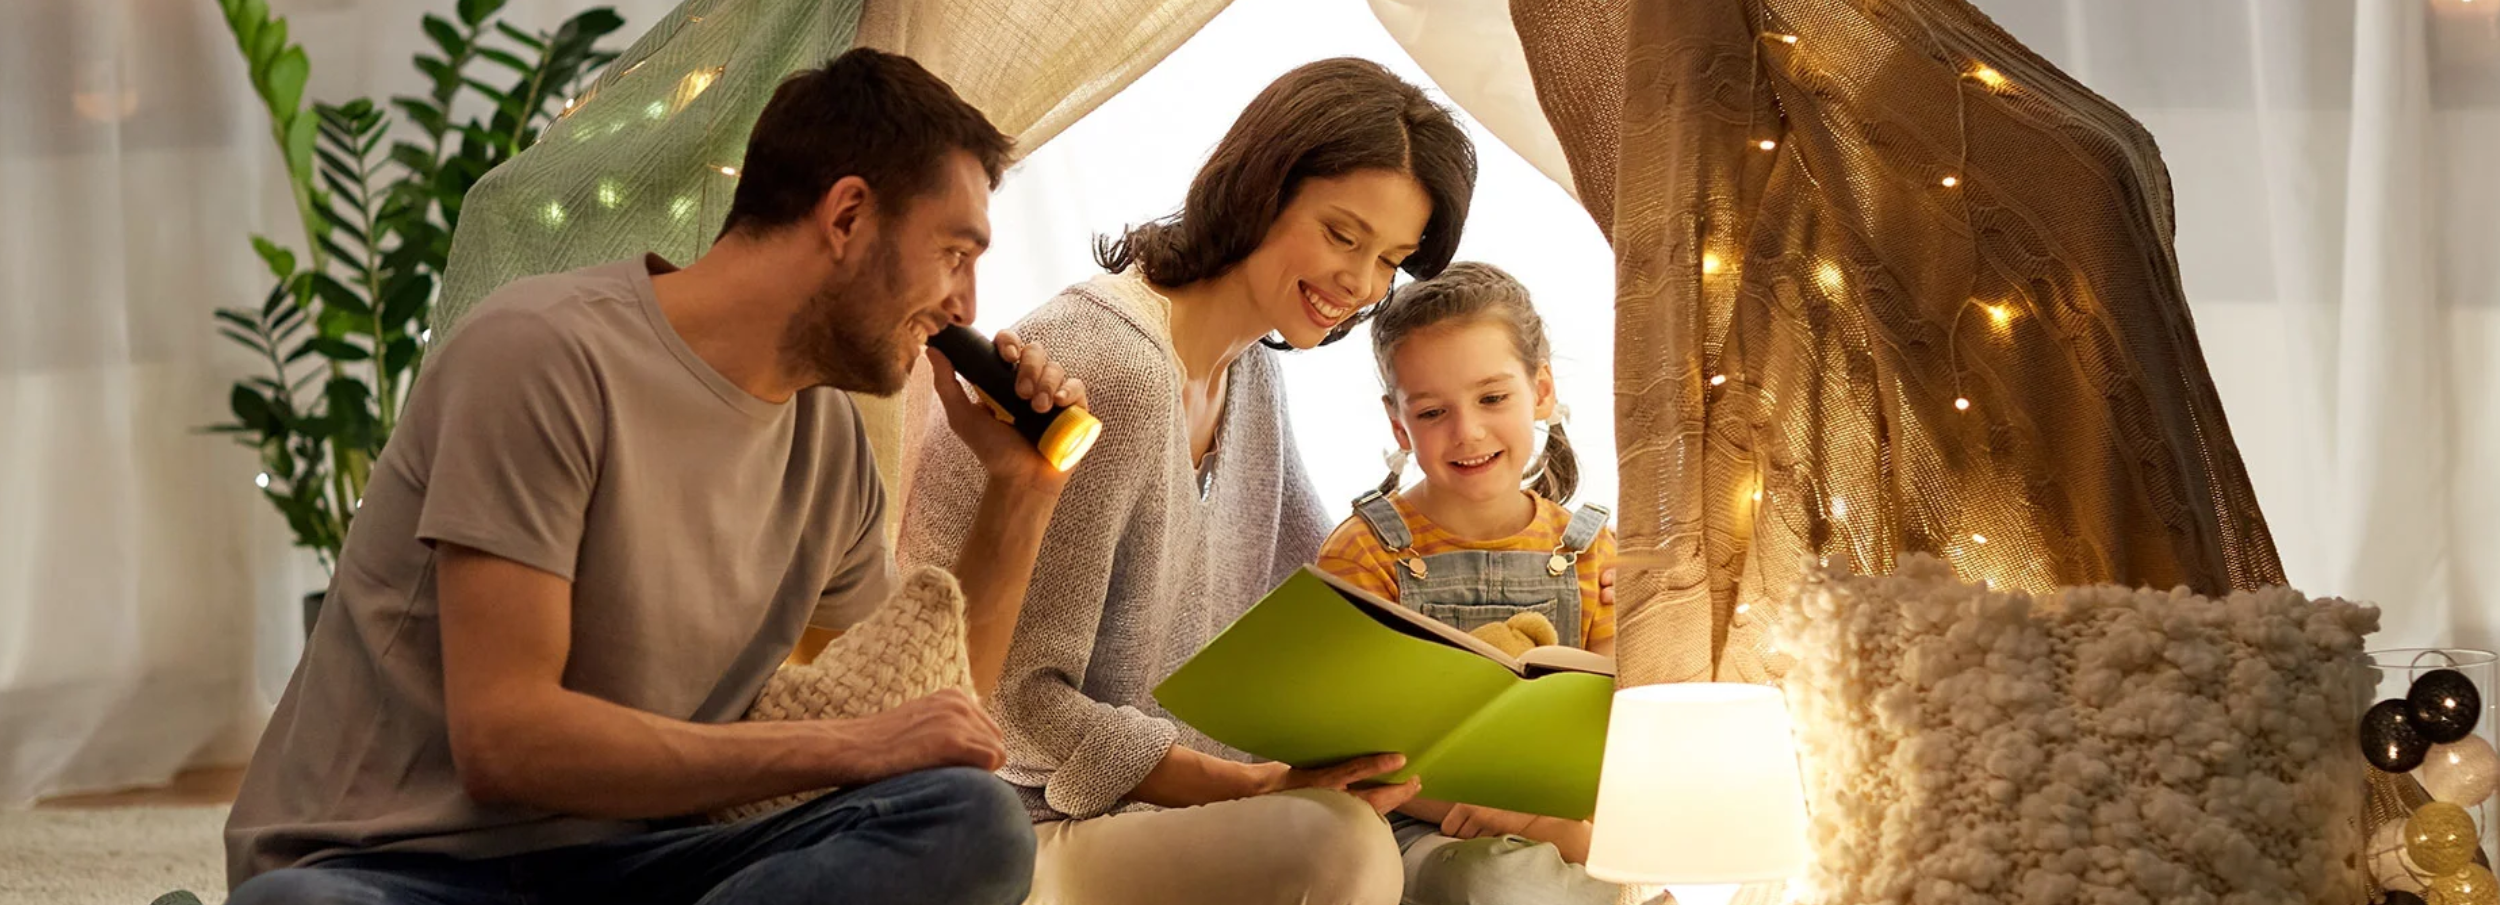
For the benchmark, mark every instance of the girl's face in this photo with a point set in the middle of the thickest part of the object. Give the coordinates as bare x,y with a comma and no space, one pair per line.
1331,250
1467,407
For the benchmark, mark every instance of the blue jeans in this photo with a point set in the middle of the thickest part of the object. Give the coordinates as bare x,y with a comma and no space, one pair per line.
953,835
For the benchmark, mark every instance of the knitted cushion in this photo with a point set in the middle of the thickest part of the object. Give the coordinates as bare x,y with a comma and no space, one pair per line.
910,648
2095,745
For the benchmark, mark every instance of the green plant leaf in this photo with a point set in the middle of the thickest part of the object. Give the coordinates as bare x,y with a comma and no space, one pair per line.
245,340
267,44
506,59
299,146
336,296
334,221
331,162
251,409
337,250
286,76
523,38
445,78
344,188
446,36
588,26
339,323
397,356
281,261
424,114
238,317
351,412
338,349
474,12
498,95
406,299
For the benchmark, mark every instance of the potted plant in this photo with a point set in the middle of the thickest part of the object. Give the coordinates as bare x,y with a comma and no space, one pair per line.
342,330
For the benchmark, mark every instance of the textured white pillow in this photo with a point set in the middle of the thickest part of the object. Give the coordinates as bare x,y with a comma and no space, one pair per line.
911,647
2097,745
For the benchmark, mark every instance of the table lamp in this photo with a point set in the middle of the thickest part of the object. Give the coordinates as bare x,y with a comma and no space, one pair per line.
1699,792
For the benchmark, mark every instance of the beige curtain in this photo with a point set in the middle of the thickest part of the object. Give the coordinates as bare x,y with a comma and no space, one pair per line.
1887,282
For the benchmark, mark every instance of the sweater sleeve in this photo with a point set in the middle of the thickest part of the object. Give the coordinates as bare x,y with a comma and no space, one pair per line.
1092,753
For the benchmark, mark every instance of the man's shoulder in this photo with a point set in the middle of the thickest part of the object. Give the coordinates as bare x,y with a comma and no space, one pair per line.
553,313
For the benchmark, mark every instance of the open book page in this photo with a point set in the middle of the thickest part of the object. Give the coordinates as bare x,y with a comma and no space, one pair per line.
1536,661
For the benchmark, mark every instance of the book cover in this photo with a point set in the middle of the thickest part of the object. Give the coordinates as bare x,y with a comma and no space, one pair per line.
1320,671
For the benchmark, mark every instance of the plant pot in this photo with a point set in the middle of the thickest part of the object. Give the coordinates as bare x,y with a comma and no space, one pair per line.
312,610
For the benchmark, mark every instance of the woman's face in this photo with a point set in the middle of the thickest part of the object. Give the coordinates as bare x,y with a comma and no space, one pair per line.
1331,250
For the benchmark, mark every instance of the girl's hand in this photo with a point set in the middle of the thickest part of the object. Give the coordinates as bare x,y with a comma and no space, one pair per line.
1606,587
1467,821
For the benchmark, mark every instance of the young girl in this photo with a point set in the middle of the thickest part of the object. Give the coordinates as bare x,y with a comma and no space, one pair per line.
1466,380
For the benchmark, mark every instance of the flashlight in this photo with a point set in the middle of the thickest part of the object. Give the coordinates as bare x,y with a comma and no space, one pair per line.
1062,434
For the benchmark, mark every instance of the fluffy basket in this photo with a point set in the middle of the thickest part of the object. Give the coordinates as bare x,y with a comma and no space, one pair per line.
2095,746
911,647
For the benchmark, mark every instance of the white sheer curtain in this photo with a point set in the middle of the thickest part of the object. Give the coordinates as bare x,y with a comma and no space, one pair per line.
148,610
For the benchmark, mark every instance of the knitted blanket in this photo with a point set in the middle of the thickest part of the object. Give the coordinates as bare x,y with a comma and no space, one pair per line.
909,648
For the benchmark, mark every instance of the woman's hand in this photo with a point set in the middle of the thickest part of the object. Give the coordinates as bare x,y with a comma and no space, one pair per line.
1339,776
1003,452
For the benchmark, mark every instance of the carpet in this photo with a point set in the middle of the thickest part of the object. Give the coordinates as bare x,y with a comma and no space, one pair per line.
111,856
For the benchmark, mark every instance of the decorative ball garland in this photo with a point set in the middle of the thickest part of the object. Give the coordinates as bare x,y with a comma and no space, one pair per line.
2430,733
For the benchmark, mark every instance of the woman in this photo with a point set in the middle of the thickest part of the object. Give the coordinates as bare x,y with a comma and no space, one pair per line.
1194,501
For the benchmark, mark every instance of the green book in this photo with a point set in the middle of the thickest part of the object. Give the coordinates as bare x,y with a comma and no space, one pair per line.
1320,671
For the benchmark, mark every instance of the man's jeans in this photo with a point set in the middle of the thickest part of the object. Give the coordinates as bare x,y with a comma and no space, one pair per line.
955,835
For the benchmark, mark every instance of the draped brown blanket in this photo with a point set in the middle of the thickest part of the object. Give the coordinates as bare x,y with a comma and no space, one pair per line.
1887,282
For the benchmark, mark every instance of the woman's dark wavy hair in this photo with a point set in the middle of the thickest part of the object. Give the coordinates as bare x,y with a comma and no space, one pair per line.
1322,119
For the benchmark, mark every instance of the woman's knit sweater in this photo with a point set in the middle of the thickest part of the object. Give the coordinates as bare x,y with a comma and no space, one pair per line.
1140,568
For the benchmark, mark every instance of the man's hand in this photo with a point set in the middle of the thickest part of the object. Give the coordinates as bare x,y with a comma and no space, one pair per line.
1003,452
1467,821
1340,776
946,729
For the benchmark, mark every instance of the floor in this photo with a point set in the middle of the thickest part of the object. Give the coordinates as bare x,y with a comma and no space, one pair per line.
213,785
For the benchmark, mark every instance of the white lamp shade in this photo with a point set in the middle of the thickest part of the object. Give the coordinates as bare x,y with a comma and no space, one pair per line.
1699,786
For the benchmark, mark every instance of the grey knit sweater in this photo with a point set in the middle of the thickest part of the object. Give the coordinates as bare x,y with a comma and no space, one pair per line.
1138,570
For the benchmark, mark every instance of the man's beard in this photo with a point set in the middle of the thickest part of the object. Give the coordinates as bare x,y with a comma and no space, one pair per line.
837,336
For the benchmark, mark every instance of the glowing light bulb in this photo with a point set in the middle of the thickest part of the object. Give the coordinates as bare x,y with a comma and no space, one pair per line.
611,193
554,215
1757,496
2002,314
1961,404
729,171
1978,538
1710,262
568,105
1718,380
425,336
262,480
1993,79
1840,508
1767,144
1951,181
1828,276
1788,39
1743,608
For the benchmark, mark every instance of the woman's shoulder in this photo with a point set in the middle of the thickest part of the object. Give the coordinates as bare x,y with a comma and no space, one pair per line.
1113,310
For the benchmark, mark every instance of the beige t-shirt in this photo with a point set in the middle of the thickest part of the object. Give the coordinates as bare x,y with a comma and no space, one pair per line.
566,427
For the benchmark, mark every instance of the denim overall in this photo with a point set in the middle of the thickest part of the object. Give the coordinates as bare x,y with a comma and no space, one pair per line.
1470,588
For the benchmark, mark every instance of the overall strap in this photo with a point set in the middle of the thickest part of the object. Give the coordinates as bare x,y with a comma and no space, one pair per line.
1586,522
1384,520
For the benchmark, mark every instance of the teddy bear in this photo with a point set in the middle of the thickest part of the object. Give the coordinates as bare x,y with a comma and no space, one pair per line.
1514,636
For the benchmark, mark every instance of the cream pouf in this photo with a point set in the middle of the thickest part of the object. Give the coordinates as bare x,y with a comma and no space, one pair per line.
911,647
2095,746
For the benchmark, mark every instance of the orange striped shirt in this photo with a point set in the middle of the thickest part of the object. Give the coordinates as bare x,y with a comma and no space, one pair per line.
1355,554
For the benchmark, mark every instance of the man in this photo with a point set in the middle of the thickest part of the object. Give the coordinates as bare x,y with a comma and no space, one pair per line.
617,498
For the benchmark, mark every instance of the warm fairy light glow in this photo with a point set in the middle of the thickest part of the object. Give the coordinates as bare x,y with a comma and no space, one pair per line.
1993,79
729,171
1828,276
1767,144
1962,404
2002,314
681,207
1788,39
1978,538
611,193
1951,181
1710,262
1840,508
262,480
1718,380
693,85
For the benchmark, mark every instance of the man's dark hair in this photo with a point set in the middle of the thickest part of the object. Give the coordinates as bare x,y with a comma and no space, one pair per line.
1323,119
867,113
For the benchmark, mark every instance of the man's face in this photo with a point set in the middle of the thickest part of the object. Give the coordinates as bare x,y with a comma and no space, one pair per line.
903,276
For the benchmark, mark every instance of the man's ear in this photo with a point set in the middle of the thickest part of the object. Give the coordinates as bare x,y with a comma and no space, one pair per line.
843,215
1397,428
1544,392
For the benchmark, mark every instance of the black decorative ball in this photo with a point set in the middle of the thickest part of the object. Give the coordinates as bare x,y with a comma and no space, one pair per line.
2445,705
2400,897
2388,738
